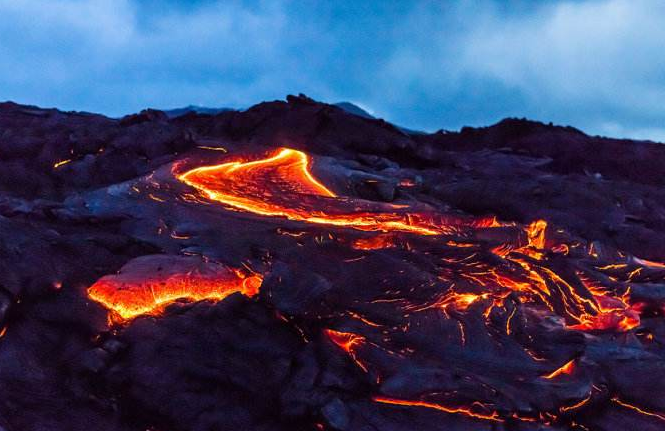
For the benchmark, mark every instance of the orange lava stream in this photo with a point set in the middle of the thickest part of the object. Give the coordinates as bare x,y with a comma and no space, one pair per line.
494,416
577,405
566,368
348,342
131,295
275,186
60,163
660,416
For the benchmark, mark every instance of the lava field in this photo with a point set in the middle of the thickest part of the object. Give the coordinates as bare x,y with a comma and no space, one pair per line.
297,267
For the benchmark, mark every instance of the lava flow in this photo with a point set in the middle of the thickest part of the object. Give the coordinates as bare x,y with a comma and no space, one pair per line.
147,284
282,185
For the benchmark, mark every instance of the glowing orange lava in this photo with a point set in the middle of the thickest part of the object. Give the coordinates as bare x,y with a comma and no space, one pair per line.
60,163
536,234
639,410
375,243
282,185
147,284
461,301
493,416
348,342
566,368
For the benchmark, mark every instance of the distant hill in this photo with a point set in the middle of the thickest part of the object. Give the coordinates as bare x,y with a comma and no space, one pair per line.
354,109
360,112
346,106
177,112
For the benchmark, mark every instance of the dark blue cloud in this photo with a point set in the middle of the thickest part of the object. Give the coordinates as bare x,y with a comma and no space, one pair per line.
595,64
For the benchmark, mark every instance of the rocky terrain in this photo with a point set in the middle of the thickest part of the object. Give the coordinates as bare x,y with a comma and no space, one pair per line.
367,278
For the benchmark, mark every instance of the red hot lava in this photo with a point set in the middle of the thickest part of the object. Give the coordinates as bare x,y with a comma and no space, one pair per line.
282,185
147,284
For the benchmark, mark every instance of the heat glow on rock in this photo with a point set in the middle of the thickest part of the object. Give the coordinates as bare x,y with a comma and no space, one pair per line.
147,284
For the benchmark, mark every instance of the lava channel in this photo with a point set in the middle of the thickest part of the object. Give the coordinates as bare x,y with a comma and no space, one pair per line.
147,284
282,185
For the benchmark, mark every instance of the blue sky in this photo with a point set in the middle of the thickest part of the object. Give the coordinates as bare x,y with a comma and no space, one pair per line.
598,65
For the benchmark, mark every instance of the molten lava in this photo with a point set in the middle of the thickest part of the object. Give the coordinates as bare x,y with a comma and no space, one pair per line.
147,284
377,242
567,368
492,416
283,186
348,342
61,163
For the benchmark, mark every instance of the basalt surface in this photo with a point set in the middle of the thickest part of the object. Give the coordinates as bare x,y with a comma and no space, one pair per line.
297,267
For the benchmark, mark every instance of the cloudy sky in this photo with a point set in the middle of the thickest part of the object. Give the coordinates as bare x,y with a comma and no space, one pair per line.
598,65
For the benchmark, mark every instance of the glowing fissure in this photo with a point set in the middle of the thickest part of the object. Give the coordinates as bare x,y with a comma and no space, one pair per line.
492,416
567,368
660,416
61,163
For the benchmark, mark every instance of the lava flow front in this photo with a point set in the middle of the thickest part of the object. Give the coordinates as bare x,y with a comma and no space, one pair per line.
147,284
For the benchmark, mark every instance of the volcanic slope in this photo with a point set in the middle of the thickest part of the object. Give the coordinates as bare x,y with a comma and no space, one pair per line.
294,266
